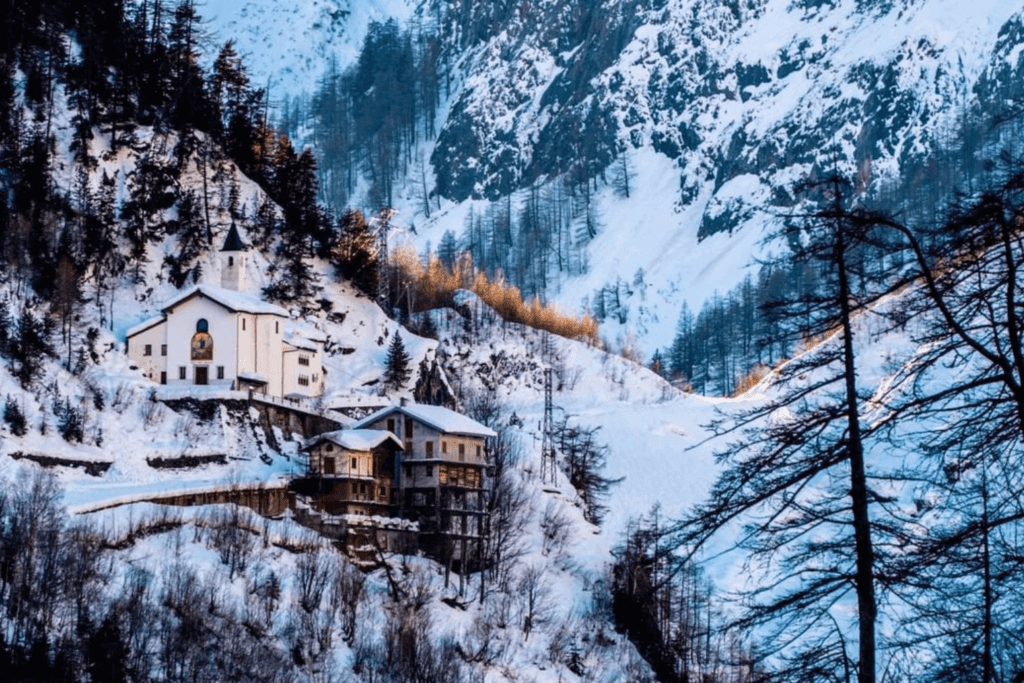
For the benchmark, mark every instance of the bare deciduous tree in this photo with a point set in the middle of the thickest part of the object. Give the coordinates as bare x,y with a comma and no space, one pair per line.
534,595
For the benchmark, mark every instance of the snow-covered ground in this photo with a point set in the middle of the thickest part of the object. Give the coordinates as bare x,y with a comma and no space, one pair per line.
835,76
655,434
287,47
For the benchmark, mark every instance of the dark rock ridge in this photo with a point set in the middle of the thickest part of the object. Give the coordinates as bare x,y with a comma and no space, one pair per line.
782,89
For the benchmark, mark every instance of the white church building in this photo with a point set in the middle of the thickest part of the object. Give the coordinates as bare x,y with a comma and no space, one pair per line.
221,336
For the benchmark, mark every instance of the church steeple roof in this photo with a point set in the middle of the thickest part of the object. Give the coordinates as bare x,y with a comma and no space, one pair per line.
233,241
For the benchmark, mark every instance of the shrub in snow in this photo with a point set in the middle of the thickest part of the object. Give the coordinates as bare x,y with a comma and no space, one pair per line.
124,396
557,528
14,417
71,423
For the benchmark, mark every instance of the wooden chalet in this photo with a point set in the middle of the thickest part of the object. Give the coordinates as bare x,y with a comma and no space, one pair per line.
354,471
405,463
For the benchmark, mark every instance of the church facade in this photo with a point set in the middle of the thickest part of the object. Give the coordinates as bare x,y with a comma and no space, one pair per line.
221,336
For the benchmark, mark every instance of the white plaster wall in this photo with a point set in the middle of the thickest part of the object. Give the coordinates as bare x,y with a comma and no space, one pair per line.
181,325
268,344
233,277
292,369
317,381
258,348
246,358
151,366
421,434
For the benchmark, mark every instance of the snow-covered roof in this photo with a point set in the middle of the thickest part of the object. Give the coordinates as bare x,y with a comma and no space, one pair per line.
354,439
304,330
144,325
255,377
438,417
302,343
230,299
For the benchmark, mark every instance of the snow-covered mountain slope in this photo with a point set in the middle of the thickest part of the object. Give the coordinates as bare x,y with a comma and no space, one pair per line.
744,99
287,46
122,426
171,556
166,555
660,443
725,89
648,426
720,108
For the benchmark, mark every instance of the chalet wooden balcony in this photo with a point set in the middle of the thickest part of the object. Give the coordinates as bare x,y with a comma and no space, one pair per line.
336,476
461,476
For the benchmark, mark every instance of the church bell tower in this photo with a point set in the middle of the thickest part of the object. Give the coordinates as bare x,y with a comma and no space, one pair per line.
232,270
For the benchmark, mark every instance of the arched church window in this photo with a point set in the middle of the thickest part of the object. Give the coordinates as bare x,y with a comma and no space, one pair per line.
202,325
231,261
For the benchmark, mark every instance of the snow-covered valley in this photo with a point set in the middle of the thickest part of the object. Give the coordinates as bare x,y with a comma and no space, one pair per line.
865,475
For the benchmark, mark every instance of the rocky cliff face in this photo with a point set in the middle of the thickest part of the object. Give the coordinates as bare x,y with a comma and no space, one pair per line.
722,106
726,88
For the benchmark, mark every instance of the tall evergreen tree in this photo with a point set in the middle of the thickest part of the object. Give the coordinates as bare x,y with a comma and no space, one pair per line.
397,369
30,347
67,296
6,323
355,253
448,249
190,231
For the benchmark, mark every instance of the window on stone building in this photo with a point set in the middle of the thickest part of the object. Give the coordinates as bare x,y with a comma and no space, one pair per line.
147,350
